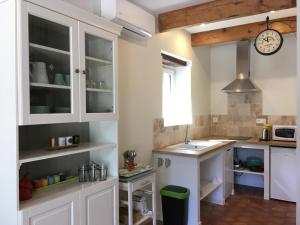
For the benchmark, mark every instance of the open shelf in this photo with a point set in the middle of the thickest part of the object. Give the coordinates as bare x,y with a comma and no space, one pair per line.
45,48
99,90
50,86
248,171
41,154
58,58
207,187
42,196
96,60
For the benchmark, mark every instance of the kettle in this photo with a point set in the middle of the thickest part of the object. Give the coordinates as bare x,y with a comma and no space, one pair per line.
266,133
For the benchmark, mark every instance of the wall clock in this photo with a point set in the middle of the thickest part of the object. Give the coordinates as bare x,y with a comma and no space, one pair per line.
269,41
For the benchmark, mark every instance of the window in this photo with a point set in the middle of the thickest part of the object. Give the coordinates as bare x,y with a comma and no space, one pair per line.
176,99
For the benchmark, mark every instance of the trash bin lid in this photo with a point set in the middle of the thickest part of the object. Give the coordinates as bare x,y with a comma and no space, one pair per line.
173,191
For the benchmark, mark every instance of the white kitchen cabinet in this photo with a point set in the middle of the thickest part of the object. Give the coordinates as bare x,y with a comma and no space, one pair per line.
99,205
67,70
228,172
44,38
283,174
62,211
98,51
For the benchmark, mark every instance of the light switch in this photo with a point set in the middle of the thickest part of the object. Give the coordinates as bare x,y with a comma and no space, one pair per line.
261,121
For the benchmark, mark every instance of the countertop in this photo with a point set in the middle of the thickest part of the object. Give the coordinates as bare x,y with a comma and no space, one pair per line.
195,153
224,142
256,141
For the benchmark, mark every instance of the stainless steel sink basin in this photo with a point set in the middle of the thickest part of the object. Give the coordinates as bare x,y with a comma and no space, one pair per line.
195,145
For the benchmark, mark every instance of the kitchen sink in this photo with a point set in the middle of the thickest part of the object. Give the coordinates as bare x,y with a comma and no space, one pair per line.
195,145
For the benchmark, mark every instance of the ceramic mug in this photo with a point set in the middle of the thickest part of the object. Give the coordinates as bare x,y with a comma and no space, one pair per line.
59,79
67,80
38,72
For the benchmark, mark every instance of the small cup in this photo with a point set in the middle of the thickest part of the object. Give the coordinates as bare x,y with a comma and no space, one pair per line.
76,139
93,84
62,176
56,178
69,140
53,142
59,79
61,141
101,84
37,184
67,80
44,182
50,180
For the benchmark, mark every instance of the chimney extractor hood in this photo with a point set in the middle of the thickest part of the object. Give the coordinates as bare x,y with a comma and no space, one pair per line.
242,83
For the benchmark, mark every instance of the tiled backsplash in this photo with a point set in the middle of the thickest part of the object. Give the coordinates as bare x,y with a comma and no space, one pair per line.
232,125
164,136
243,109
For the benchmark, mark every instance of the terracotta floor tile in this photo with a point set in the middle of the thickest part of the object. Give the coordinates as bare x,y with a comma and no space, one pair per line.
247,207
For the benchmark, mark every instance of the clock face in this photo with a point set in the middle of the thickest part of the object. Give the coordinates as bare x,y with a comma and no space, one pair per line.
268,42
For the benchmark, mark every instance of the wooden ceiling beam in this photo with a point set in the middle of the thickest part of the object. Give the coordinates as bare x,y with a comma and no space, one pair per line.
243,32
219,10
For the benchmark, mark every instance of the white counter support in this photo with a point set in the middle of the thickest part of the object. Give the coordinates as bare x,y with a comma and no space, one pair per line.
185,171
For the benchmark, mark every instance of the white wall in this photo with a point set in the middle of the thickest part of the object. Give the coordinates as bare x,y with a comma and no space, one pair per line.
140,87
275,75
222,68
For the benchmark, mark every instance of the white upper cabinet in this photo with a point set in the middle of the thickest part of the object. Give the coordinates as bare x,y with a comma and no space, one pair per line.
98,81
67,70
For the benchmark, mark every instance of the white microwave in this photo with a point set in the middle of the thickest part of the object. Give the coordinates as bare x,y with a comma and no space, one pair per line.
284,133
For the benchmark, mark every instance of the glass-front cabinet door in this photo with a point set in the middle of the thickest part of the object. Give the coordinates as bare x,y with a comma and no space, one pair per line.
50,67
98,81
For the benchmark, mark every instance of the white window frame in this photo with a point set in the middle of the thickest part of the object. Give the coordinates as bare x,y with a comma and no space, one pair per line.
176,102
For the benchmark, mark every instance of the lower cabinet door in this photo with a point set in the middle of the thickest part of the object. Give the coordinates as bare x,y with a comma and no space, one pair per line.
100,206
61,211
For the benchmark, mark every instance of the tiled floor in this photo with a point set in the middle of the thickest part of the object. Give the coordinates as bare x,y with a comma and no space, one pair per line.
248,207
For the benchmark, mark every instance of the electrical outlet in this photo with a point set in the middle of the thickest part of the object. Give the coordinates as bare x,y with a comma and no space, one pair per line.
215,119
261,121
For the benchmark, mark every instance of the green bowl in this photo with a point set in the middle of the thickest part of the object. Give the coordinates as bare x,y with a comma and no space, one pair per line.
39,109
254,161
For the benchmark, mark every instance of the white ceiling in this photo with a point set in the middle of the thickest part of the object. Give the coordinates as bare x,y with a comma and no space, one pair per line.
159,6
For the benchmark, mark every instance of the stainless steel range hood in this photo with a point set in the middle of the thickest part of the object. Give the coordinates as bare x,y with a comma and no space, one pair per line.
242,83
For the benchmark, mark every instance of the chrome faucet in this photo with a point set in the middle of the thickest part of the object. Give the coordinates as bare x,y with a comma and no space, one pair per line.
186,139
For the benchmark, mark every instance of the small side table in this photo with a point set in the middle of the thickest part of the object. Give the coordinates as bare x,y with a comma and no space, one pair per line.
140,183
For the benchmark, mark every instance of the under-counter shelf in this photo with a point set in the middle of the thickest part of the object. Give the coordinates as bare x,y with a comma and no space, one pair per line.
248,171
39,197
207,187
41,154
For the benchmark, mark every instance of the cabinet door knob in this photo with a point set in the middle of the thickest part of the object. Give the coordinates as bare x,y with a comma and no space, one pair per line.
83,72
76,70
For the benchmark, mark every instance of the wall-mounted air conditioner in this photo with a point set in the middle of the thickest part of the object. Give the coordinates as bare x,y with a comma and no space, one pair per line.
134,19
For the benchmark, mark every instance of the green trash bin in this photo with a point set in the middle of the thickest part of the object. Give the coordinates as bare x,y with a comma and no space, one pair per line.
175,205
